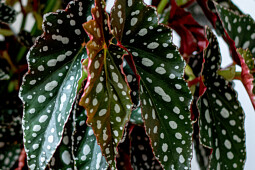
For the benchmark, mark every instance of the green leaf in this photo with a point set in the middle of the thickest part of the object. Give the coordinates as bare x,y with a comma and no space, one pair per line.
165,97
141,154
239,27
9,156
106,95
248,58
49,88
133,79
78,148
221,116
62,158
87,152
10,141
7,14
136,116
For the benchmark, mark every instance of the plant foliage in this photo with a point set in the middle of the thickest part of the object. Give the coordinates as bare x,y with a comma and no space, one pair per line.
110,90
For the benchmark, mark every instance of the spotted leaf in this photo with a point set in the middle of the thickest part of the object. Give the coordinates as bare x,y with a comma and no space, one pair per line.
133,79
87,153
221,116
202,152
165,97
7,14
10,141
141,154
107,100
49,88
9,156
106,95
240,28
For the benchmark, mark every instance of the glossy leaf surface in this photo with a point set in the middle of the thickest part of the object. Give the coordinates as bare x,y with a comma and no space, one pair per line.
164,95
87,153
106,96
221,116
49,88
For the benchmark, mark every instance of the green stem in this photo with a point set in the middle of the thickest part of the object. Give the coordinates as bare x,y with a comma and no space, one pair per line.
161,6
238,75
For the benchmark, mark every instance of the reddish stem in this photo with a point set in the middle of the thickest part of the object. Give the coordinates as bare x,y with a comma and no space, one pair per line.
22,159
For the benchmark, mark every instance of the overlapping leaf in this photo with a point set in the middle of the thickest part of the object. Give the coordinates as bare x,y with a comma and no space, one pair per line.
79,148
133,79
141,154
165,97
135,151
7,14
202,152
49,88
63,158
221,116
240,28
106,96
87,153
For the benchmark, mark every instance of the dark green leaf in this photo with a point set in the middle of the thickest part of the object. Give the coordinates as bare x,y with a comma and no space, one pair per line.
7,14
63,158
141,154
87,153
10,141
239,27
136,116
49,88
221,116
106,96
165,97
9,155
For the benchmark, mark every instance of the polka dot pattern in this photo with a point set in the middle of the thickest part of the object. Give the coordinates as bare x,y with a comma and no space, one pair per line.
7,14
10,140
106,95
135,151
49,88
165,98
221,116
78,139
239,27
